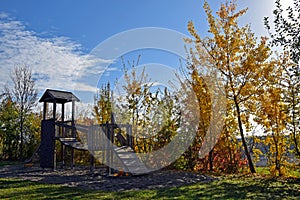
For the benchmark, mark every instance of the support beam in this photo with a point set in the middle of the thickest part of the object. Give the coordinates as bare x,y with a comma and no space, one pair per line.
45,110
73,113
54,110
63,112
63,134
73,132
92,163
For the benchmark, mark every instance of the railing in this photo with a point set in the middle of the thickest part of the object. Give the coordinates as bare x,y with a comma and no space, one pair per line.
97,137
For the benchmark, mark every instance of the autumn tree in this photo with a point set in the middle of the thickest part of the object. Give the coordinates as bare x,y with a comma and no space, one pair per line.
24,95
9,136
200,88
163,121
227,154
153,112
272,116
103,105
133,101
286,35
9,132
241,60
86,115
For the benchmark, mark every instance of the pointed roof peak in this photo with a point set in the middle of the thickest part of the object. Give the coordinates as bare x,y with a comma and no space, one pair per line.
58,96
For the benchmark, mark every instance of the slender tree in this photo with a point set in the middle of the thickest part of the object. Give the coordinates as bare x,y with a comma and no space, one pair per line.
286,35
24,95
271,115
135,98
241,61
202,93
103,105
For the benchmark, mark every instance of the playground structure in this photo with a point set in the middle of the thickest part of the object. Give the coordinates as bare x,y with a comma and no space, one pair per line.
102,140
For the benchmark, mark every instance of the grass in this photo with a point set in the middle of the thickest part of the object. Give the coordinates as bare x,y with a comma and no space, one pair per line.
265,171
227,187
261,186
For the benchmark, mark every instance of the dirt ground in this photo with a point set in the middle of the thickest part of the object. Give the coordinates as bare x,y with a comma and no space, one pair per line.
98,180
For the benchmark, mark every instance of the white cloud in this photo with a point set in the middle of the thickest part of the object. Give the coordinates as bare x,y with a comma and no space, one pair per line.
57,62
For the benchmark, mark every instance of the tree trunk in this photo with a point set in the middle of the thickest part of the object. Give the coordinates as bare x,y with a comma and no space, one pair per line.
251,166
294,125
21,137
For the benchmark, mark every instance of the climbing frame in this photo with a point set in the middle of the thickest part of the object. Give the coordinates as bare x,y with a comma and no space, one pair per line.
49,133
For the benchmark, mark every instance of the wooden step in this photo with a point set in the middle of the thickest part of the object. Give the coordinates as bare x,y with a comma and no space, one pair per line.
65,139
130,161
74,143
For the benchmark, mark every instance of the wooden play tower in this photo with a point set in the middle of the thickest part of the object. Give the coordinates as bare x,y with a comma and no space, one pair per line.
49,133
115,145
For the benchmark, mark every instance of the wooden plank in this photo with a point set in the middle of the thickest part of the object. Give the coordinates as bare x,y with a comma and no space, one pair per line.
130,161
82,128
74,143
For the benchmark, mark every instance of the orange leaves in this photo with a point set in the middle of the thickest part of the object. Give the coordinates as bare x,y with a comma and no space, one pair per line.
270,114
193,32
242,62
257,86
227,11
103,105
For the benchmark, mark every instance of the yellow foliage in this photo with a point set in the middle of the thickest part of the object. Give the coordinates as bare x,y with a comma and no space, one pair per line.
241,59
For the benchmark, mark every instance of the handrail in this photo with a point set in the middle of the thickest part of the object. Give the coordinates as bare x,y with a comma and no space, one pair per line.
62,124
82,128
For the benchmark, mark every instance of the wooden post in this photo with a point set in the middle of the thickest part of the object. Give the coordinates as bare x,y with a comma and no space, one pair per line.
63,134
73,132
108,145
128,135
63,112
54,164
130,139
73,118
47,148
112,138
107,149
54,119
54,110
63,119
45,110
92,160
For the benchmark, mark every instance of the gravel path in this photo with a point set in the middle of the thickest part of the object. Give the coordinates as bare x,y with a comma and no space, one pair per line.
81,177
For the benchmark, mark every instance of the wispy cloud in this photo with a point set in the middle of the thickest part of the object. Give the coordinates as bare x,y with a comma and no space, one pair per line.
57,62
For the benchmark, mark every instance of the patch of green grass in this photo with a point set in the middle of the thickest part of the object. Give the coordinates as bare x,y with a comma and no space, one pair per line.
263,170
18,189
227,187
296,172
292,171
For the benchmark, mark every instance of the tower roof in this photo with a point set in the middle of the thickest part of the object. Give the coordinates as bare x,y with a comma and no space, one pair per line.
58,96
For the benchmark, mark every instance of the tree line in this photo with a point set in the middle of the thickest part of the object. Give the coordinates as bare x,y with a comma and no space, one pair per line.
262,89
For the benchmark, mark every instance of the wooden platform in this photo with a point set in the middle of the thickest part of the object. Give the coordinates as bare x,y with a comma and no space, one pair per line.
74,143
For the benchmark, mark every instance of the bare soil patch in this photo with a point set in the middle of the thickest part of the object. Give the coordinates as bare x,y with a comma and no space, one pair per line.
82,178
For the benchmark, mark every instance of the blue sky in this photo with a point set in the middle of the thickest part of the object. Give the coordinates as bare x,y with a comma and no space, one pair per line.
55,38
90,22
